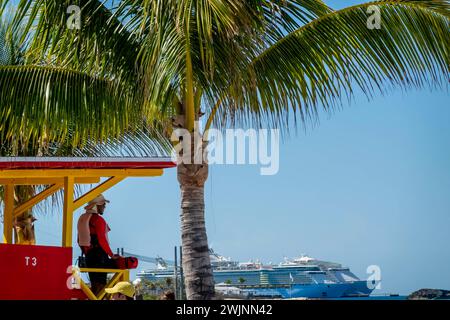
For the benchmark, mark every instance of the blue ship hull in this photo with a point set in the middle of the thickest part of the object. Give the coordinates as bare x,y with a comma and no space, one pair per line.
359,289
320,290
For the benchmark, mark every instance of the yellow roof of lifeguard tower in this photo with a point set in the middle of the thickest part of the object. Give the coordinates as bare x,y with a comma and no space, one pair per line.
64,173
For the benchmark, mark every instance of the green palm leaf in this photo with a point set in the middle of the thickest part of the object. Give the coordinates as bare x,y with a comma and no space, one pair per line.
44,101
323,62
102,46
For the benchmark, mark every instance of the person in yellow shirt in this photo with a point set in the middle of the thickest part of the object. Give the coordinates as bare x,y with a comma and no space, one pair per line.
122,291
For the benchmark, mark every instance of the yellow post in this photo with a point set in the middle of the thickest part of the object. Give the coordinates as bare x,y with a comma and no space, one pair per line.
116,278
8,213
126,275
87,291
68,211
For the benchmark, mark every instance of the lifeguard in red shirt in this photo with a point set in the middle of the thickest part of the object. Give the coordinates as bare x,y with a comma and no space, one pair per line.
93,241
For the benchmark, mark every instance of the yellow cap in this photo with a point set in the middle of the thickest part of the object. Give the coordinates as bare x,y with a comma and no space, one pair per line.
123,287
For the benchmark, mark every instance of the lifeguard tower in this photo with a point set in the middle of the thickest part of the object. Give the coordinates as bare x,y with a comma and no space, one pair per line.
36,272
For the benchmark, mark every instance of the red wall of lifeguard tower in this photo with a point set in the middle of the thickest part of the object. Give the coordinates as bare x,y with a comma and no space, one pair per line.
35,273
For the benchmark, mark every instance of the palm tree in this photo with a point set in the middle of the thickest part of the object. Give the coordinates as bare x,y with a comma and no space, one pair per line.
169,282
237,62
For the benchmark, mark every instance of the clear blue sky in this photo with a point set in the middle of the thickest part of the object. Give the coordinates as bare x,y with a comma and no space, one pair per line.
370,185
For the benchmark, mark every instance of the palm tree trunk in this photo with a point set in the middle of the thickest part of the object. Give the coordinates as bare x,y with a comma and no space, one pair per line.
199,282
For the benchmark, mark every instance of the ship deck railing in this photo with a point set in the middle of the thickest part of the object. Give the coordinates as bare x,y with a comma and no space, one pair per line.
261,286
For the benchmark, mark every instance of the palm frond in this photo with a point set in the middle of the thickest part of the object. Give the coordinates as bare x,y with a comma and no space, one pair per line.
44,101
285,16
223,36
323,62
102,47
11,52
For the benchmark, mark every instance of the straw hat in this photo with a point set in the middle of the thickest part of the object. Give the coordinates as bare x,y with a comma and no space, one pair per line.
99,200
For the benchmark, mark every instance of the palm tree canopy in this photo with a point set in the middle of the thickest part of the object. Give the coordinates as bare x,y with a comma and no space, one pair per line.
327,59
240,61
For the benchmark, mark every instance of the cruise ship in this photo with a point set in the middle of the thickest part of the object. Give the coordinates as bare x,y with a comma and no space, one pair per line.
302,277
